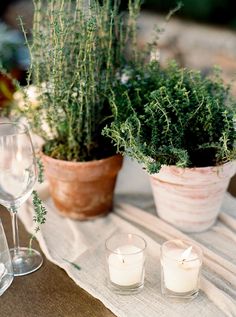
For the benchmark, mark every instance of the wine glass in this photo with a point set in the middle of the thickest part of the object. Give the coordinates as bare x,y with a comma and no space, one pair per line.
18,175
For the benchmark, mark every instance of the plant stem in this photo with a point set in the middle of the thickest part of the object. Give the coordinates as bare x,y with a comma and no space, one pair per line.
30,243
13,211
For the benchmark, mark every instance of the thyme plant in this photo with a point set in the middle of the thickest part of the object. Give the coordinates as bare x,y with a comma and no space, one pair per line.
173,116
77,51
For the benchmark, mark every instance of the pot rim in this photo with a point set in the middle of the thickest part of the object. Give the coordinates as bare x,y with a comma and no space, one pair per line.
195,176
72,163
201,167
195,169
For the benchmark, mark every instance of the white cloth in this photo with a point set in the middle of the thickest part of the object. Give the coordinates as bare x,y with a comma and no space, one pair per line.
83,243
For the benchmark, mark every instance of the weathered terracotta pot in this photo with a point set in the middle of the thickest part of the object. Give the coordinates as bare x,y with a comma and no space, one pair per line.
82,190
190,198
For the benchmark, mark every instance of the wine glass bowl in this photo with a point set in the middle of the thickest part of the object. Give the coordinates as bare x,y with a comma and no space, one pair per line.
18,174
17,165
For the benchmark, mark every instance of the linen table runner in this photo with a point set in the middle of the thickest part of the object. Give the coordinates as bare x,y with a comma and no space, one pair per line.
64,240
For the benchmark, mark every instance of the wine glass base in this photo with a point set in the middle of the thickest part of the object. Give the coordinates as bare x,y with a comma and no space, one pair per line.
25,261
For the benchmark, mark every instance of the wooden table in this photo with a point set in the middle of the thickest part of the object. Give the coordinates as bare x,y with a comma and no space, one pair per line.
48,292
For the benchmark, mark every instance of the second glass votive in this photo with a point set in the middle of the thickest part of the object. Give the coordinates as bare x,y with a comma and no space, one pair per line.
125,255
180,269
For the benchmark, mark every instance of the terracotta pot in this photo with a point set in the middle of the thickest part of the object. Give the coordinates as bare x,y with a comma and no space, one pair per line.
82,190
190,198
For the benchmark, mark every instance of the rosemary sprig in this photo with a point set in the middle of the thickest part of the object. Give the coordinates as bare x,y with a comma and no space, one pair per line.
73,264
39,217
40,170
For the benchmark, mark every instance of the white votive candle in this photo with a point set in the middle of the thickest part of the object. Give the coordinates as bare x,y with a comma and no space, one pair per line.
181,264
125,262
126,265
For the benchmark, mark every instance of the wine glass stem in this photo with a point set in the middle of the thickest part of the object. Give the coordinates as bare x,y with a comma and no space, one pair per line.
15,230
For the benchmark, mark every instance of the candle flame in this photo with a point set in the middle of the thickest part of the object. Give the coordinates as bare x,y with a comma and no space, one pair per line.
18,156
120,256
186,254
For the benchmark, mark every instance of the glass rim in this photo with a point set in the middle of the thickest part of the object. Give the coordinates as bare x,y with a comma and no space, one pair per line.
23,127
126,234
188,243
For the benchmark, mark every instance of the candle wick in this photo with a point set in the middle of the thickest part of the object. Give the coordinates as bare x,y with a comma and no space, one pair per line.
123,260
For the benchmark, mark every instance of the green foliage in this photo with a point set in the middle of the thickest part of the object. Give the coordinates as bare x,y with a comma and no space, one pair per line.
76,53
173,116
76,266
39,217
40,170
10,45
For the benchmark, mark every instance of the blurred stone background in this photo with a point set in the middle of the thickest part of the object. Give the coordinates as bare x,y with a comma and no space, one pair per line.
194,45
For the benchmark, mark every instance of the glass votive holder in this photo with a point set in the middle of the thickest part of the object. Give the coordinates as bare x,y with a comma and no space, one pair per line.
181,264
125,258
6,270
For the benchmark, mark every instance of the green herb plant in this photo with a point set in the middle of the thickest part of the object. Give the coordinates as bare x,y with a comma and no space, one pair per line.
39,217
40,211
173,116
76,266
77,52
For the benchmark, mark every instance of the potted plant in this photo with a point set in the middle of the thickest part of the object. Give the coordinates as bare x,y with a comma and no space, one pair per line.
180,126
76,53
